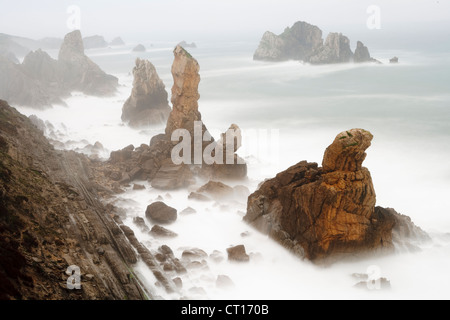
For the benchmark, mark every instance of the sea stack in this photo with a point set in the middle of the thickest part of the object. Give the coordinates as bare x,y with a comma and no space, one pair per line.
148,104
326,213
81,73
299,42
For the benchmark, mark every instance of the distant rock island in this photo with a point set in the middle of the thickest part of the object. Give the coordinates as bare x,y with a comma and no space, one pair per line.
303,42
94,42
41,81
117,42
139,48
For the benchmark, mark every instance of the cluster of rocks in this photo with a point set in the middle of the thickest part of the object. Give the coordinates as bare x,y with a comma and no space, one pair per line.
304,42
154,162
139,48
41,80
327,213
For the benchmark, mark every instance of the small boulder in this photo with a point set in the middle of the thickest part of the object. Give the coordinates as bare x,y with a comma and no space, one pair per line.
217,190
159,212
224,282
238,253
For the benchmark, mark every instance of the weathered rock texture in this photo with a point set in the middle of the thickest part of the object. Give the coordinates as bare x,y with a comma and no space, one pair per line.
41,81
336,49
148,104
325,213
51,218
81,73
304,42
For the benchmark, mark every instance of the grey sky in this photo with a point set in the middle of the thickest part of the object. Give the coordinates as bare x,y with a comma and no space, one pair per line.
196,19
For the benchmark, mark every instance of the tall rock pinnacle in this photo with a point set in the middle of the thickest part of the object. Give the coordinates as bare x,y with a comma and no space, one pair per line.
148,104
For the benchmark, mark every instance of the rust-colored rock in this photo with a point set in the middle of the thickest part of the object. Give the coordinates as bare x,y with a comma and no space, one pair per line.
327,212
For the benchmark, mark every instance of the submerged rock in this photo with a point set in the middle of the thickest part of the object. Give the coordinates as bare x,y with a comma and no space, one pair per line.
393,60
224,282
328,212
148,104
361,53
304,42
184,44
117,42
299,42
217,190
161,232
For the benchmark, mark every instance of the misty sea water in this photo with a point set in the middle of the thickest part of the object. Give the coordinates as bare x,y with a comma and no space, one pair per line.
406,106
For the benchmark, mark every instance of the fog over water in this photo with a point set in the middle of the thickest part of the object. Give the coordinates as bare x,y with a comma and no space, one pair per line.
301,108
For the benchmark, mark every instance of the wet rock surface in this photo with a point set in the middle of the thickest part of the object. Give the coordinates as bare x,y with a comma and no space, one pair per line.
148,104
325,213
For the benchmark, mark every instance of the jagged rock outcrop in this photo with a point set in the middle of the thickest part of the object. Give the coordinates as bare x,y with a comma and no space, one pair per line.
148,104
18,87
325,213
336,49
94,42
304,42
154,162
78,72
41,81
51,218
159,212
117,42
10,56
296,43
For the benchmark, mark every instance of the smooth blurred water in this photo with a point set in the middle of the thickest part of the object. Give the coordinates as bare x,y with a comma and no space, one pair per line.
405,106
